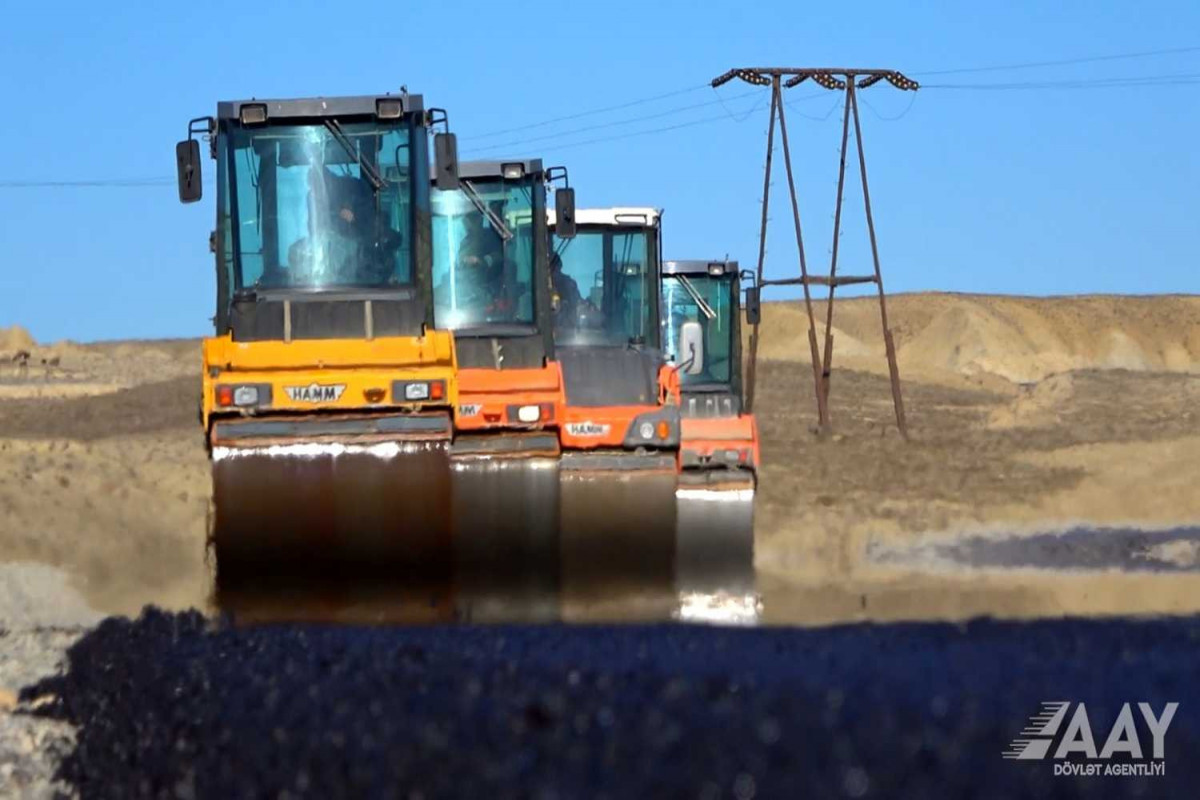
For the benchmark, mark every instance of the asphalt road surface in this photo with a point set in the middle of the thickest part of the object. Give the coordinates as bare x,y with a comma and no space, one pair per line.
173,706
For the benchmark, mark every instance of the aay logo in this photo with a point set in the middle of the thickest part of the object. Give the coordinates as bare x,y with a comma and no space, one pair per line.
315,392
1038,738
588,429
470,409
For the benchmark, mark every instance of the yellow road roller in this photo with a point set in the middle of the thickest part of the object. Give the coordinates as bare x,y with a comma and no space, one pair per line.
327,391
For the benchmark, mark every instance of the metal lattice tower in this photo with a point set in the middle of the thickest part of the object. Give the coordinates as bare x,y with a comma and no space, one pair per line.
833,79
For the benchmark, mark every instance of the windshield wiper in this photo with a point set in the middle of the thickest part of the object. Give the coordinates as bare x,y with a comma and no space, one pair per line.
497,223
705,308
340,137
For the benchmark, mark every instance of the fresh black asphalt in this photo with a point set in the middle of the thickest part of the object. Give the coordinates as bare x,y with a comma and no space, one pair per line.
176,706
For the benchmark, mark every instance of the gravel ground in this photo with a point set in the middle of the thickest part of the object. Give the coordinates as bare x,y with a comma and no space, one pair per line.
175,706
40,617
31,747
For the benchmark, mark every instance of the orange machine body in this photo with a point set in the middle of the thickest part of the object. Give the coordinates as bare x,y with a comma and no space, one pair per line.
717,435
522,399
720,441
507,379
605,427
612,411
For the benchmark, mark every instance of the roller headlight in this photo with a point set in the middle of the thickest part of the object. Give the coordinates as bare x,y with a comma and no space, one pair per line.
245,395
242,395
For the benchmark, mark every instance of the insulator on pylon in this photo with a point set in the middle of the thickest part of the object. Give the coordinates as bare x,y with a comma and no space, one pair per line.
753,77
902,82
827,81
724,78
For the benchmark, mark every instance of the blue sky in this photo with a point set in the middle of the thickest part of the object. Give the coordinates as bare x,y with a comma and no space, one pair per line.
1041,191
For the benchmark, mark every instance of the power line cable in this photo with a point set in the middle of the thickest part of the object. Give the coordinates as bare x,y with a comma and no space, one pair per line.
1183,79
614,123
588,113
728,115
603,139
1061,62
1084,83
689,124
837,103
911,101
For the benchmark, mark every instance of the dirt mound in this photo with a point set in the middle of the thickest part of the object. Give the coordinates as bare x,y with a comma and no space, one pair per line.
784,335
123,516
15,339
1018,339
967,340
67,370
1037,405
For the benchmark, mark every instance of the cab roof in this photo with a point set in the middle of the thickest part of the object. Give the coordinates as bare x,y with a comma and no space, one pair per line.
319,107
717,266
615,216
494,169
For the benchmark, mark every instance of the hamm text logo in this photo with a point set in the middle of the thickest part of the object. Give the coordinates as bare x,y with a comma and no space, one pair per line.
1074,738
587,429
315,392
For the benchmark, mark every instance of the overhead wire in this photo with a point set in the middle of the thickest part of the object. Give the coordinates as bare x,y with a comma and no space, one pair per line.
612,124
911,101
1179,79
603,139
588,113
839,100
728,115
691,123
1061,62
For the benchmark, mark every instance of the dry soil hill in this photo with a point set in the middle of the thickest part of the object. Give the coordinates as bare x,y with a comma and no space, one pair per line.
1020,339
1026,414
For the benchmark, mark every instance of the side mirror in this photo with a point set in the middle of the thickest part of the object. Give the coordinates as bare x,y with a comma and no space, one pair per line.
187,164
753,308
445,161
564,213
691,346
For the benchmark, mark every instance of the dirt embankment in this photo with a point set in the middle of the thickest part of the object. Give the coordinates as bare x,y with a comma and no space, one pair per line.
15,339
112,487
29,369
1118,447
1092,449
953,337
1024,414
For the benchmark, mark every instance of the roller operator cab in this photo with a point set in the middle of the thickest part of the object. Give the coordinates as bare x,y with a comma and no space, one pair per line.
491,287
326,378
620,394
718,451
702,333
620,434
